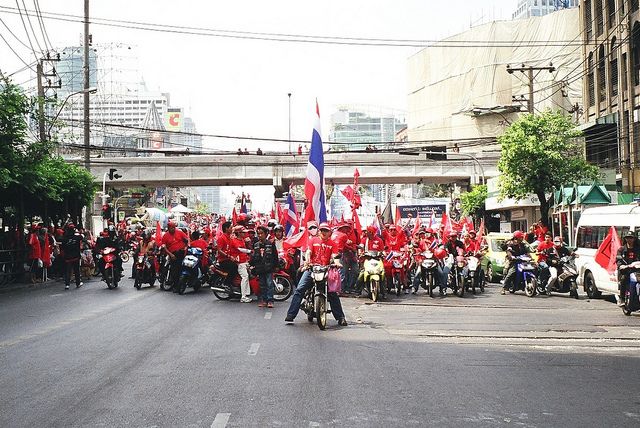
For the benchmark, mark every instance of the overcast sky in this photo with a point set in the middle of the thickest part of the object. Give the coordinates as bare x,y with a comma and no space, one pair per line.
239,87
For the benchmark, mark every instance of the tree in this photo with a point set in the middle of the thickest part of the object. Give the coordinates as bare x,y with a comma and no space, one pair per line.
539,154
472,202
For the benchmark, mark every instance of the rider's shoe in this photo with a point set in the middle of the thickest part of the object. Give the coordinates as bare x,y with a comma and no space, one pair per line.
288,319
503,292
342,322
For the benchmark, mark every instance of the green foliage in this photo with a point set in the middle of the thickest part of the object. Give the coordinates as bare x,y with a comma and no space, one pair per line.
472,202
540,153
29,174
202,208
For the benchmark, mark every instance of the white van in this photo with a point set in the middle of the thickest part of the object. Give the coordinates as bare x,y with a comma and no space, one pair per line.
593,227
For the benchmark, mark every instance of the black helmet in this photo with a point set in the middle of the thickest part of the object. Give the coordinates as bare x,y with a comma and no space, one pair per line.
630,234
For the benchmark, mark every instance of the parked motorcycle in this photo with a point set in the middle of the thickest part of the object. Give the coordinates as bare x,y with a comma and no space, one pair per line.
526,276
631,302
109,267
145,270
373,274
190,274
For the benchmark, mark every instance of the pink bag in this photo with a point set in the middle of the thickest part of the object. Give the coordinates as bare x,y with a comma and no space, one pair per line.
333,280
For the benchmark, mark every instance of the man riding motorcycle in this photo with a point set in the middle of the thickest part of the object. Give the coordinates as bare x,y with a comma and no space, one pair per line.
514,248
224,256
628,253
322,252
108,238
549,257
174,242
371,242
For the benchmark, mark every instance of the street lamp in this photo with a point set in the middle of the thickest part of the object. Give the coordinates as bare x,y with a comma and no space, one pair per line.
289,95
91,90
115,207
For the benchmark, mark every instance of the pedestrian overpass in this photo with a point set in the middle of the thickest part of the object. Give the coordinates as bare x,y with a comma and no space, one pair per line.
281,170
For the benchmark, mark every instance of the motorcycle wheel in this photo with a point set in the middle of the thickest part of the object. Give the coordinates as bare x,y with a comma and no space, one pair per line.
481,280
460,286
626,308
221,295
162,278
282,288
182,284
321,311
197,286
431,285
138,281
108,277
397,285
124,256
374,286
530,286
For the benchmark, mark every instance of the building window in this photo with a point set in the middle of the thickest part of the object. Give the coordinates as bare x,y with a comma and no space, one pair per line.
611,6
599,18
624,72
602,82
635,52
591,81
634,5
588,21
613,70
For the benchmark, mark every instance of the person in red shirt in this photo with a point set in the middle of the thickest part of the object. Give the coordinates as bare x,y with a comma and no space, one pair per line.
471,245
174,243
372,242
239,251
198,242
224,255
321,251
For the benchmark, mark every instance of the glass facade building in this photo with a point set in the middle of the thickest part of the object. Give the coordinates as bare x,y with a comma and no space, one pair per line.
529,8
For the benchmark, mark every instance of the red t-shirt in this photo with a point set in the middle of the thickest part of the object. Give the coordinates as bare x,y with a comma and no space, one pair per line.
202,244
373,244
223,244
395,243
471,246
544,245
176,241
234,251
321,250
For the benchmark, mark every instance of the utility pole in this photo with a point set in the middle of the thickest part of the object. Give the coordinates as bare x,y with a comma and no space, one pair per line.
531,76
87,38
41,88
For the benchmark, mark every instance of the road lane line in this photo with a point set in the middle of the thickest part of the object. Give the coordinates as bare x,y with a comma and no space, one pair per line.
221,420
253,349
268,315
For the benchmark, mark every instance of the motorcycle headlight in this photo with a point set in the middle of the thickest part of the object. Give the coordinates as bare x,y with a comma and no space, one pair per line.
460,264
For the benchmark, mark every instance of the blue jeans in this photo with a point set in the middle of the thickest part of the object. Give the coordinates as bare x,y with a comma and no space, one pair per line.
305,283
266,286
443,274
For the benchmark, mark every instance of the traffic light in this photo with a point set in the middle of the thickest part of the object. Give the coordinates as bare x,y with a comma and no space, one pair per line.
113,175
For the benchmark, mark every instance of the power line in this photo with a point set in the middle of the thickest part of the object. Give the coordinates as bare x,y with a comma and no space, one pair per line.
16,53
26,31
45,34
301,38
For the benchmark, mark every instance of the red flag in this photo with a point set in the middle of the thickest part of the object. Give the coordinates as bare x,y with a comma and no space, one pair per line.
158,233
356,175
46,252
416,227
606,254
298,240
356,224
280,213
234,216
432,218
397,215
221,220
447,227
480,234
273,213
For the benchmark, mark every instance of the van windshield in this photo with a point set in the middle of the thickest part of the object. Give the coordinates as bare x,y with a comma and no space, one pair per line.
496,245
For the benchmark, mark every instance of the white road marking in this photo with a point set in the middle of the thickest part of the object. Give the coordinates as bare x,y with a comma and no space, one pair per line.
253,349
313,424
268,315
221,420
56,295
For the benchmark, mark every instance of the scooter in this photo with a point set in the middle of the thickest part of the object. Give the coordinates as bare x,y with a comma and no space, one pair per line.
398,267
111,272
282,284
427,271
373,274
190,274
567,277
456,275
631,302
473,277
145,270
526,278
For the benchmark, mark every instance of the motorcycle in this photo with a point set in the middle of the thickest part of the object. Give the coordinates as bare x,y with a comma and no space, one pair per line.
473,277
111,273
164,268
456,274
373,274
190,274
427,269
567,276
526,278
631,302
145,270
314,303
398,265
282,284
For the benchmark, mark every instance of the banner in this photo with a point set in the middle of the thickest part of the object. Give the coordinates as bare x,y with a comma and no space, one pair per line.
422,211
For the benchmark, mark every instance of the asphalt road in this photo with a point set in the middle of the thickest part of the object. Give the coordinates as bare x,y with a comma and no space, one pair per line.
93,357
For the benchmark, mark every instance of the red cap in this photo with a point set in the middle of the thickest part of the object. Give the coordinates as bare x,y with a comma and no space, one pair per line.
518,234
324,225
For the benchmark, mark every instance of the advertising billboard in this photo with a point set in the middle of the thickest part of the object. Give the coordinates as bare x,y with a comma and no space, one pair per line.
174,119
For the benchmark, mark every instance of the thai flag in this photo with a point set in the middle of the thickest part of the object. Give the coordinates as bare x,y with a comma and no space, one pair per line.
314,182
376,224
291,223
